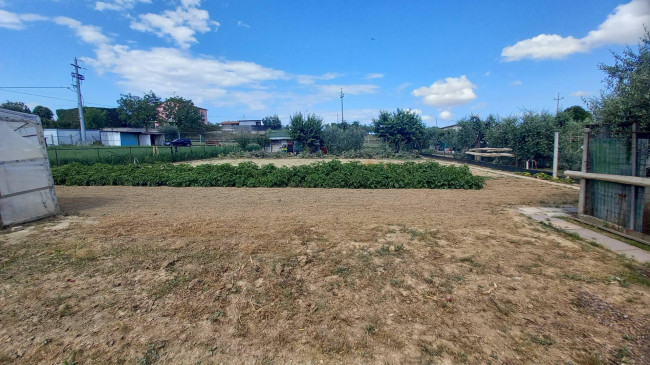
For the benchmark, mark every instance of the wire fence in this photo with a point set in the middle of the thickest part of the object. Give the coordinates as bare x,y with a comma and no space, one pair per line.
89,155
616,203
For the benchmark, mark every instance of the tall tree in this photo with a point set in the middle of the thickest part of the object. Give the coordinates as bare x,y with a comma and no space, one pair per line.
626,98
44,113
182,113
401,129
307,130
18,106
273,122
95,118
577,113
138,111
338,139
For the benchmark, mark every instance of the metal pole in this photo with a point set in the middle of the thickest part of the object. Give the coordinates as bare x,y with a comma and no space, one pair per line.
80,104
633,157
556,153
342,119
582,203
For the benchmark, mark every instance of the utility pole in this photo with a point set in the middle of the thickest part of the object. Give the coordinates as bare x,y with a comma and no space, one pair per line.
557,108
78,78
342,120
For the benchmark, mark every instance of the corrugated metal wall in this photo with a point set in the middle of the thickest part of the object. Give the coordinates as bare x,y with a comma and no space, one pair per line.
26,185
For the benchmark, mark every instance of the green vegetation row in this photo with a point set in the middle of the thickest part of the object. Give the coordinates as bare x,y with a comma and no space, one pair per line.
333,174
89,155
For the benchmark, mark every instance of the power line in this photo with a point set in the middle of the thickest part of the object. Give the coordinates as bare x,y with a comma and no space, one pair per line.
52,97
34,87
42,96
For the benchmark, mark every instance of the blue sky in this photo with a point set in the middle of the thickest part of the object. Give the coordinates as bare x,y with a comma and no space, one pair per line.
253,58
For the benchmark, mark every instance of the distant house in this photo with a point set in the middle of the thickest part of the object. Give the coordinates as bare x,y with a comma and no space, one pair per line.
131,137
243,125
202,111
280,141
204,115
453,127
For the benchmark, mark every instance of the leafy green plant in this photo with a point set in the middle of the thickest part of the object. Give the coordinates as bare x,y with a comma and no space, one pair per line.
332,174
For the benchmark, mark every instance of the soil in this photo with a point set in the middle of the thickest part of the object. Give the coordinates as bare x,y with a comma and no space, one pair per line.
301,276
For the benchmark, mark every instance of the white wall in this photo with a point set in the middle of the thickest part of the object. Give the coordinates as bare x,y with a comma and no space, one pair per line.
144,140
111,138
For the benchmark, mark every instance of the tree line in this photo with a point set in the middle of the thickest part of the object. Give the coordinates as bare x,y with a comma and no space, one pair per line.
175,114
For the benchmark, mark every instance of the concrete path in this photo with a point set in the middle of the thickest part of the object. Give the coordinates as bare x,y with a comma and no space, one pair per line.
549,215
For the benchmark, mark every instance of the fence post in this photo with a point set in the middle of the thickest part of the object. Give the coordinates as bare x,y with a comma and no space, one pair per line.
131,152
56,154
556,153
97,154
582,200
633,157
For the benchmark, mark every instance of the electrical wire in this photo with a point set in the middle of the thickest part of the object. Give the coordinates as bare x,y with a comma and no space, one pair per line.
34,87
51,97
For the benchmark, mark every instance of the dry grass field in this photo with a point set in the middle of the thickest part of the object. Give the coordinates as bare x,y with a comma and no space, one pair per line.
299,276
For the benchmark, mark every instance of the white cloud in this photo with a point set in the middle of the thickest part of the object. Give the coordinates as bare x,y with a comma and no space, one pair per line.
168,71
180,25
242,24
311,79
403,86
374,76
487,73
623,26
118,4
16,21
426,118
445,115
516,83
580,93
452,91
543,46
87,33
10,20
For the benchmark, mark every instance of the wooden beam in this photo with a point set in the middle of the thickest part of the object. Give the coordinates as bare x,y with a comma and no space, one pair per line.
619,179
490,149
490,154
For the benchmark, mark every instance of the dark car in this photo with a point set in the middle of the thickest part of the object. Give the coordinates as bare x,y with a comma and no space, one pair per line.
179,142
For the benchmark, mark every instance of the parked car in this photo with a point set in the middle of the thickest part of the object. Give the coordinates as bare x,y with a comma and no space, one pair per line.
179,142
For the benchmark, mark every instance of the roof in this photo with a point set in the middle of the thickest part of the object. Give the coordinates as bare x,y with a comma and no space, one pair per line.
281,134
131,130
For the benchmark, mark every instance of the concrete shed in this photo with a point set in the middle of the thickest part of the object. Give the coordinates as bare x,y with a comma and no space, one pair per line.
57,137
131,137
26,185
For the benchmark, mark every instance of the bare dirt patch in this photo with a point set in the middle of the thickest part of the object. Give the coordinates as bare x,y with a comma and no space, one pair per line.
227,275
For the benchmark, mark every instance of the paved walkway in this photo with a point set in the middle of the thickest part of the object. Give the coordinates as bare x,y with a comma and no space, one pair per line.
549,215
